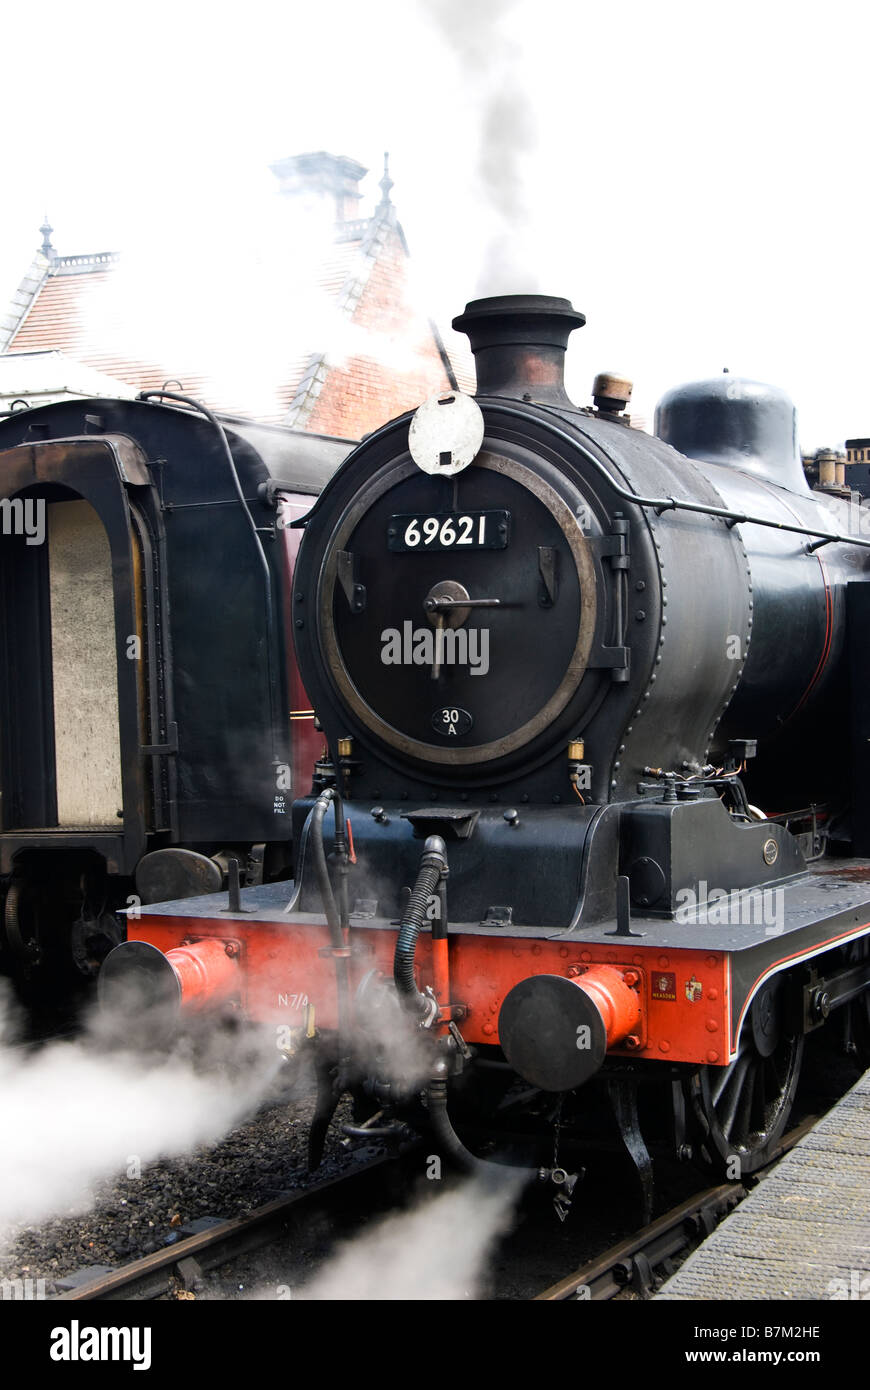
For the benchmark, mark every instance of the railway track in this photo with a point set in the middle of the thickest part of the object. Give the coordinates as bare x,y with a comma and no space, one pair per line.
376,1184
180,1269
632,1263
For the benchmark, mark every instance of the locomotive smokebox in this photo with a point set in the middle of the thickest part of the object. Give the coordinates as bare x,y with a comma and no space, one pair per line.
519,343
555,1030
737,423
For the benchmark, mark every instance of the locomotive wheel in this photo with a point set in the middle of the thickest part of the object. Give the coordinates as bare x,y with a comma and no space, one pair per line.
741,1111
22,928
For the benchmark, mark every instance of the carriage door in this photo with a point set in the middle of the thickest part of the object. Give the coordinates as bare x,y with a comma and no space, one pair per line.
84,668
60,741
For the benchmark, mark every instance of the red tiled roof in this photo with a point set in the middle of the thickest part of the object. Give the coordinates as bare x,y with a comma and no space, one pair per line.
80,309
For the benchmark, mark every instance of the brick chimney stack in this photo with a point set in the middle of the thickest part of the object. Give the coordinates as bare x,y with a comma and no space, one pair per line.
322,178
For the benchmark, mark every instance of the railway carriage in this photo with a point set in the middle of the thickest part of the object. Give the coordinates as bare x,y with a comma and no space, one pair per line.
153,725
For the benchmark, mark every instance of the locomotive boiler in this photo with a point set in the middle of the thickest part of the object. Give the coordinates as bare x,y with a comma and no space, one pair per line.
153,726
592,791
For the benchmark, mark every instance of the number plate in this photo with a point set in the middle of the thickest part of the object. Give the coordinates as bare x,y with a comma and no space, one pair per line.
452,721
449,531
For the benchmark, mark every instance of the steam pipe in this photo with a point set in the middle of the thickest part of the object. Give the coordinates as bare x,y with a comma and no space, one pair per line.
321,870
448,1139
658,504
450,1143
375,1131
440,956
340,848
433,865
433,868
334,922
672,504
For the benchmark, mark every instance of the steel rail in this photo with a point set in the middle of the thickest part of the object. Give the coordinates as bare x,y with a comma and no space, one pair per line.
631,1263
186,1260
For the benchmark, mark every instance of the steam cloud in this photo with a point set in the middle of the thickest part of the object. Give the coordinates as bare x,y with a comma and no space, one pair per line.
74,1113
236,344
437,1251
237,322
401,1052
491,65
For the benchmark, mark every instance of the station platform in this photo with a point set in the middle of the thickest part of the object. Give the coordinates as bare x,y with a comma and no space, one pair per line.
804,1232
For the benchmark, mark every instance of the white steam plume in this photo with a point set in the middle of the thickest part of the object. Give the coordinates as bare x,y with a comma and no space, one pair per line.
233,320
491,68
236,315
74,1113
435,1252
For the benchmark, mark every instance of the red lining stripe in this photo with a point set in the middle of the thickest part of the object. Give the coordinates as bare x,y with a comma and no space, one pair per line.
826,650
771,969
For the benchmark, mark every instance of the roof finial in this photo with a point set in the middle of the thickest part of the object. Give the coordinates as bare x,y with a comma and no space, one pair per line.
46,248
386,182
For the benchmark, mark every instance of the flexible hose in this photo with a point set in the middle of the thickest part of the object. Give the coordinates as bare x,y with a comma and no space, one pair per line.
453,1147
433,863
376,1131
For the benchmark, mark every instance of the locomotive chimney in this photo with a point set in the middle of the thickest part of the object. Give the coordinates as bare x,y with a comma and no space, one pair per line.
519,342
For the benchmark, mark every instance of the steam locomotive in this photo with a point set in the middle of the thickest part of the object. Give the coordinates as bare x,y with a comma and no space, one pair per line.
593,797
148,680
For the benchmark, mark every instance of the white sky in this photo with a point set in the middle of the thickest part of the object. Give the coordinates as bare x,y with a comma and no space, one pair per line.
694,177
